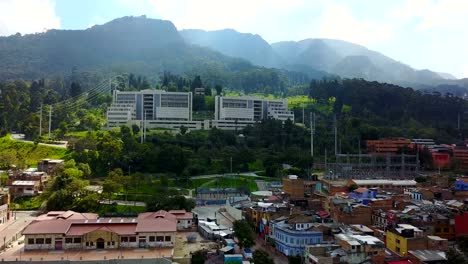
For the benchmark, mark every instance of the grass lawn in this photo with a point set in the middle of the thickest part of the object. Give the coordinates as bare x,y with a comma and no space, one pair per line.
29,153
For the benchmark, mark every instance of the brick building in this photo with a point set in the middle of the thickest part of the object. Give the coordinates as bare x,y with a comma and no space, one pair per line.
387,145
293,186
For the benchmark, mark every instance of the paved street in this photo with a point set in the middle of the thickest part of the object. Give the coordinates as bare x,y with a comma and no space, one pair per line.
9,230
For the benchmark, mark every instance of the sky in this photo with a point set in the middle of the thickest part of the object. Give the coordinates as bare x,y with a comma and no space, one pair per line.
425,34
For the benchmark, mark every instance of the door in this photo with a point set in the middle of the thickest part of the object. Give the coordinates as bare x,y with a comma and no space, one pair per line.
100,243
58,244
142,242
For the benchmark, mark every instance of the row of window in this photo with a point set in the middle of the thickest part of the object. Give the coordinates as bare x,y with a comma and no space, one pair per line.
150,239
297,241
39,241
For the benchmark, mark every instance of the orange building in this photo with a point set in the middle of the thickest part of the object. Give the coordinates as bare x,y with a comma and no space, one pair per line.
460,154
387,145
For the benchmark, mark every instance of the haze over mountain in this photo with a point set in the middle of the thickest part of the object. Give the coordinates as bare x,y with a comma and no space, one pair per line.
150,46
338,57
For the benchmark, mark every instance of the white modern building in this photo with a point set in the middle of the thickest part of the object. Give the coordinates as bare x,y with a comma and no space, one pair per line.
158,108
150,105
251,109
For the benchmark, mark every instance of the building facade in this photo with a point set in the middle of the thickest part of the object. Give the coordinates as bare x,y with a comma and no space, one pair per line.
291,241
70,230
151,105
253,109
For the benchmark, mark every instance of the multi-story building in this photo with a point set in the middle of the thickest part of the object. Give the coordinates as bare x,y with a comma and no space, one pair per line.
293,186
387,145
251,109
460,156
361,248
291,241
384,184
150,105
4,208
405,237
70,230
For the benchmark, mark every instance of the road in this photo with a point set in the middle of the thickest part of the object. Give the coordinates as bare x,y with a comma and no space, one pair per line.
212,176
120,202
20,137
9,231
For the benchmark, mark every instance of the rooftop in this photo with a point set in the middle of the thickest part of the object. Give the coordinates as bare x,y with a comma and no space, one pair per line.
385,182
428,255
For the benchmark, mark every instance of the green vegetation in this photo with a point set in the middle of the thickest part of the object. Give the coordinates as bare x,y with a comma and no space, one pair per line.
28,202
230,182
244,234
26,154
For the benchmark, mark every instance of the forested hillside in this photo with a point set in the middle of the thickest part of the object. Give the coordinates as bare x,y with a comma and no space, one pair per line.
140,45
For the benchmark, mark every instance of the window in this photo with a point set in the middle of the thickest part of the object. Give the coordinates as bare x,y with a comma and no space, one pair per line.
132,239
108,243
77,240
124,239
68,240
39,241
398,249
437,229
160,238
446,229
30,241
87,244
48,240
92,244
151,239
188,221
113,243
178,221
167,238
398,241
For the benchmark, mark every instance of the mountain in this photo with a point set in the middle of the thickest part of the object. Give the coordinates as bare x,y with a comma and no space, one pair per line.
352,61
232,43
139,45
315,57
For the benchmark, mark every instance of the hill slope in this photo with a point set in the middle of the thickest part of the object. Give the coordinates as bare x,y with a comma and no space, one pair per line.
129,44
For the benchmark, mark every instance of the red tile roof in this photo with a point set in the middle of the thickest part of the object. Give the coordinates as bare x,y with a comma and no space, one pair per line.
47,227
361,190
66,215
182,214
156,225
121,229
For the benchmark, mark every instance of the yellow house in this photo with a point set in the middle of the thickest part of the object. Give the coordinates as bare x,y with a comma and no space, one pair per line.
405,237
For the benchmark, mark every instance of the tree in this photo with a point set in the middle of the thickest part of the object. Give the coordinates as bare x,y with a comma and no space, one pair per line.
244,234
75,89
453,257
262,257
198,257
183,130
294,259
218,89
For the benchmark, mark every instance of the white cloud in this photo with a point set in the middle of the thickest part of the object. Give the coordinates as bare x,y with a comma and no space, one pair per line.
446,14
338,22
27,16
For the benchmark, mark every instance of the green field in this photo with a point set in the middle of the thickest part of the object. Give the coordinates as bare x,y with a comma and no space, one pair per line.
24,153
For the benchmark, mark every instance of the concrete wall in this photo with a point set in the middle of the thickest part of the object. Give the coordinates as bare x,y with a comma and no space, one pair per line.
235,213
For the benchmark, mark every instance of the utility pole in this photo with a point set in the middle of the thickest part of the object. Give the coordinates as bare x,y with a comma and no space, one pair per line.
50,119
303,121
231,165
335,131
144,127
312,132
40,122
458,123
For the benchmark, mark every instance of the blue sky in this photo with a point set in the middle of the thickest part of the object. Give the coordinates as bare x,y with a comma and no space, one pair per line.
421,33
